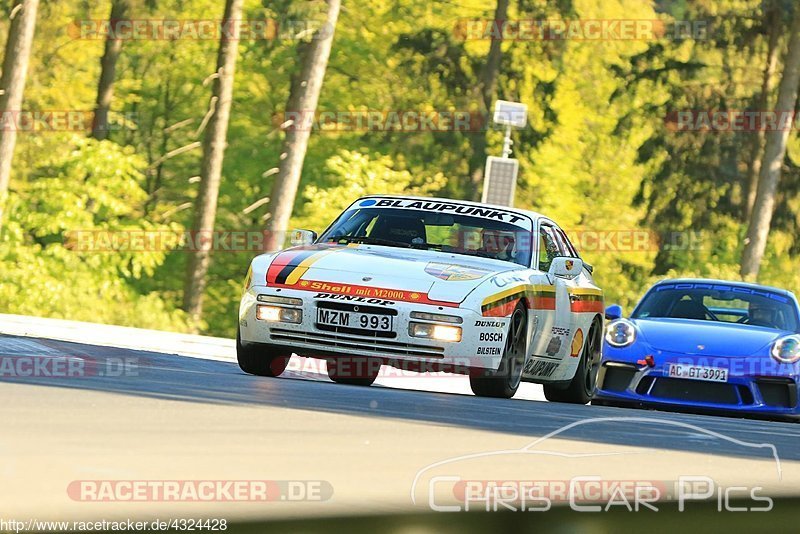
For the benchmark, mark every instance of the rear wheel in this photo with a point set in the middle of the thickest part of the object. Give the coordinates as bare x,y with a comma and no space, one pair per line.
581,387
504,382
355,371
260,360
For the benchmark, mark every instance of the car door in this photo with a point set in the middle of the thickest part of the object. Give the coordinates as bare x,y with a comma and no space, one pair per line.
552,303
582,295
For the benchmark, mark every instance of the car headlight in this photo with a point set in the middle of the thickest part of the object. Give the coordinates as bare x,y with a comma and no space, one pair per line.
786,349
276,314
438,332
620,333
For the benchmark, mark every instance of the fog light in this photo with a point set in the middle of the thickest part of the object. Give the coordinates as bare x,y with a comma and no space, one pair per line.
446,333
277,314
268,313
435,331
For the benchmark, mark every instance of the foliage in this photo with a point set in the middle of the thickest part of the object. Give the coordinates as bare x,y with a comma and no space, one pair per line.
64,249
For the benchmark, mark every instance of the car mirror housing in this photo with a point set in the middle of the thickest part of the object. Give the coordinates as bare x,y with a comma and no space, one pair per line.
565,267
302,237
613,312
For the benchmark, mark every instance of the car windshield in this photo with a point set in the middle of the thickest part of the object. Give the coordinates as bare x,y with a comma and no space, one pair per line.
449,233
723,303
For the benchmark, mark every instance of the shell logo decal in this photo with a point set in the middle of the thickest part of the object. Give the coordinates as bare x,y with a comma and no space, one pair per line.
577,344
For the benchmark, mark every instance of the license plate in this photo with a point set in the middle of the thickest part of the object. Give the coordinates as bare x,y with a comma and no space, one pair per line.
348,319
692,372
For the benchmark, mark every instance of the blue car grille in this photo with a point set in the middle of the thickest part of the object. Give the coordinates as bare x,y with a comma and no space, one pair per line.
778,392
617,377
695,391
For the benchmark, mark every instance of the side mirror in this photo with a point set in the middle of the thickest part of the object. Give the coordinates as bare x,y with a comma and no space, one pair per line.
614,312
302,237
564,267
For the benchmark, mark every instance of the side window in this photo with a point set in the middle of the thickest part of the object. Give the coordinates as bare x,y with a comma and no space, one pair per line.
548,247
566,246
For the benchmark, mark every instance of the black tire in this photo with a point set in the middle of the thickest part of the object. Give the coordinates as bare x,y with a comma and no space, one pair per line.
260,360
582,385
504,382
354,371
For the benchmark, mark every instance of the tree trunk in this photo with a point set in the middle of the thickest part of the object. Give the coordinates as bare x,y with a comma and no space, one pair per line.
12,83
772,22
108,68
214,143
774,153
302,102
487,87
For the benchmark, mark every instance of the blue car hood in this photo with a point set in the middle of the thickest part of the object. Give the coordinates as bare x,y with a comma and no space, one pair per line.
709,338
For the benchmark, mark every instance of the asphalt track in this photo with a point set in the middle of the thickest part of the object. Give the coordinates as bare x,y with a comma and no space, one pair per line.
173,417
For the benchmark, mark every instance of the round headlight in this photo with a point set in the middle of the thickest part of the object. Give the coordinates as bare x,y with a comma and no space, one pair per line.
786,349
620,333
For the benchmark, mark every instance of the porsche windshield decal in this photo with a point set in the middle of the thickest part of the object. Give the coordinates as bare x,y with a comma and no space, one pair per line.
454,273
484,212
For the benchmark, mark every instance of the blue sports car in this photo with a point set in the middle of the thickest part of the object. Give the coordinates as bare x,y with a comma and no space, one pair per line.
707,346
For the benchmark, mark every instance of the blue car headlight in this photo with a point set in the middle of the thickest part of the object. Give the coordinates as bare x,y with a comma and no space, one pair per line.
786,349
620,333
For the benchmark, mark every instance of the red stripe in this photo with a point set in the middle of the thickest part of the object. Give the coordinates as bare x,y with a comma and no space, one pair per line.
277,265
544,303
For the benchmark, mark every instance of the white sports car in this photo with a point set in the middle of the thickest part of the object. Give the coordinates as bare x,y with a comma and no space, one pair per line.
428,284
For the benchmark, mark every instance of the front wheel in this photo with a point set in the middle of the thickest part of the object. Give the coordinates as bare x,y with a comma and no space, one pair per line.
260,360
504,382
581,387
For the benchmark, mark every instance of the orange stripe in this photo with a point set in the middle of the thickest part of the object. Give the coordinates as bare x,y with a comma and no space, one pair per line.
584,306
503,310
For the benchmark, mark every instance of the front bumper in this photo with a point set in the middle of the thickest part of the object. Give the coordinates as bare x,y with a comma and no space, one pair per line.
481,345
755,386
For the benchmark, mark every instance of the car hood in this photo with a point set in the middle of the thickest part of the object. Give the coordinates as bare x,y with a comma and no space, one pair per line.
689,336
444,277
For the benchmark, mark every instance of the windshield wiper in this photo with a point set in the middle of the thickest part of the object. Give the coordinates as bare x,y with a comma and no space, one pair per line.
367,241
